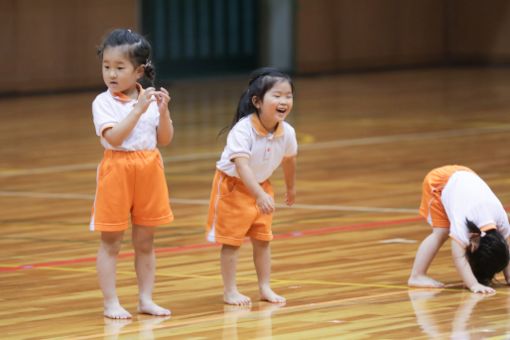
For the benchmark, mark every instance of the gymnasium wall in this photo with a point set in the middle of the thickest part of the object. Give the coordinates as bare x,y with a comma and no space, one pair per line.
50,44
337,35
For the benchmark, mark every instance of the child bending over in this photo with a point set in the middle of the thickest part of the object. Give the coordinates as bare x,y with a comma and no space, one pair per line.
460,205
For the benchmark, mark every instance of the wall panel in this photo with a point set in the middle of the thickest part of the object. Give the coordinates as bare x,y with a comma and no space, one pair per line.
479,31
54,41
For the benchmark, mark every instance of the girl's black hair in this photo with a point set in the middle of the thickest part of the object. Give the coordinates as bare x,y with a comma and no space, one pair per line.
490,257
261,81
138,48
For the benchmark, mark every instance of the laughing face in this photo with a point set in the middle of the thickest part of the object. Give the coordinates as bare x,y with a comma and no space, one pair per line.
276,104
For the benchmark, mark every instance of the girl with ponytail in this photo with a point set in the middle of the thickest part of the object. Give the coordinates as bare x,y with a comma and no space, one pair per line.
458,204
242,199
130,122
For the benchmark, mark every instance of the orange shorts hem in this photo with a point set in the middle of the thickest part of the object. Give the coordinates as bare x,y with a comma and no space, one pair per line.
229,241
153,222
261,237
110,227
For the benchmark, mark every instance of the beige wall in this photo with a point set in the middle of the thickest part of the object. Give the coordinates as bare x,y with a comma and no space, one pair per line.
335,35
50,44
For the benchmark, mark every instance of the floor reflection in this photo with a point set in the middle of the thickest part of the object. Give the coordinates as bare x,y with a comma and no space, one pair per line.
258,316
113,328
435,307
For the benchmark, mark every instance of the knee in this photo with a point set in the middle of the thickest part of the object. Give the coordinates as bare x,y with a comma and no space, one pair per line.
145,246
111,247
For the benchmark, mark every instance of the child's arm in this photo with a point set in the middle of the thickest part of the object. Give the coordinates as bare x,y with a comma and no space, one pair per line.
165,128
289,172
464,270
506,271
118,133
264,201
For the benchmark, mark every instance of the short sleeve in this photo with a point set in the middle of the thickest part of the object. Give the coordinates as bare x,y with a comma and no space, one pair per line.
239,143
503,226
103,115
291,146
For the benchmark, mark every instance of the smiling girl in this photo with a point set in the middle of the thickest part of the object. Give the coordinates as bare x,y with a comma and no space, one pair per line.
242,199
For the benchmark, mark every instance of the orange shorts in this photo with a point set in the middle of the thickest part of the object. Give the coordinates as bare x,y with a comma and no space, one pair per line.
130,183
234,214
431,206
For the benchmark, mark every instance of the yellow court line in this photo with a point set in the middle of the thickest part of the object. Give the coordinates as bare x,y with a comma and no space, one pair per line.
10,265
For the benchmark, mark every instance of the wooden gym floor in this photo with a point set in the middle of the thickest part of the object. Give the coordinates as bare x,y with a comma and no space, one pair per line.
341,255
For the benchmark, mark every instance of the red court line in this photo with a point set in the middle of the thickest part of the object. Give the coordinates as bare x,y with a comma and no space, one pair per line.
179,249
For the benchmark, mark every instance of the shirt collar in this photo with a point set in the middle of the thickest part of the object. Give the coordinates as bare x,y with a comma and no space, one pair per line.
123,98
261,130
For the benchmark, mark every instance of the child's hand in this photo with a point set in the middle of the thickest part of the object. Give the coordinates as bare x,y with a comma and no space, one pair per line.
290,196
145,99
479,288
162,98
265,203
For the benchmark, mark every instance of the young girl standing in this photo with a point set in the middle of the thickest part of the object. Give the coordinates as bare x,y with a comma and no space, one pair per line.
459,204
242,199
131,122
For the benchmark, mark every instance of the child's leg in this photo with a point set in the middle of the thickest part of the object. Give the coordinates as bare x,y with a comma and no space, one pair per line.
145,266
262,260
106,265
231,295
424,256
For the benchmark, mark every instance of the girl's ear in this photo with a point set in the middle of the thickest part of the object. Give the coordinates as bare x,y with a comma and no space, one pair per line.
474,242
140,71
256,102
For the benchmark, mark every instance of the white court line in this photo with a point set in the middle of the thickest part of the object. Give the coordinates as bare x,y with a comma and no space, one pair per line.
312,146
64,196
403,137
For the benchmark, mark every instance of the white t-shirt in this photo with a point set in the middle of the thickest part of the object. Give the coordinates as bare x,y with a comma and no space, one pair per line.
467,196
265,150
109,109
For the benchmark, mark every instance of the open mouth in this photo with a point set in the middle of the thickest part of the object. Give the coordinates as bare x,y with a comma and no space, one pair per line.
281,110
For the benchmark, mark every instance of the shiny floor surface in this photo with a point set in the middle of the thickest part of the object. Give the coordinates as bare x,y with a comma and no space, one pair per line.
341,255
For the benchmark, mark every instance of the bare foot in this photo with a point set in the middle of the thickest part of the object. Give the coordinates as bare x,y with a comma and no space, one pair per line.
236,298
424,281
267,294
149,307
115,311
